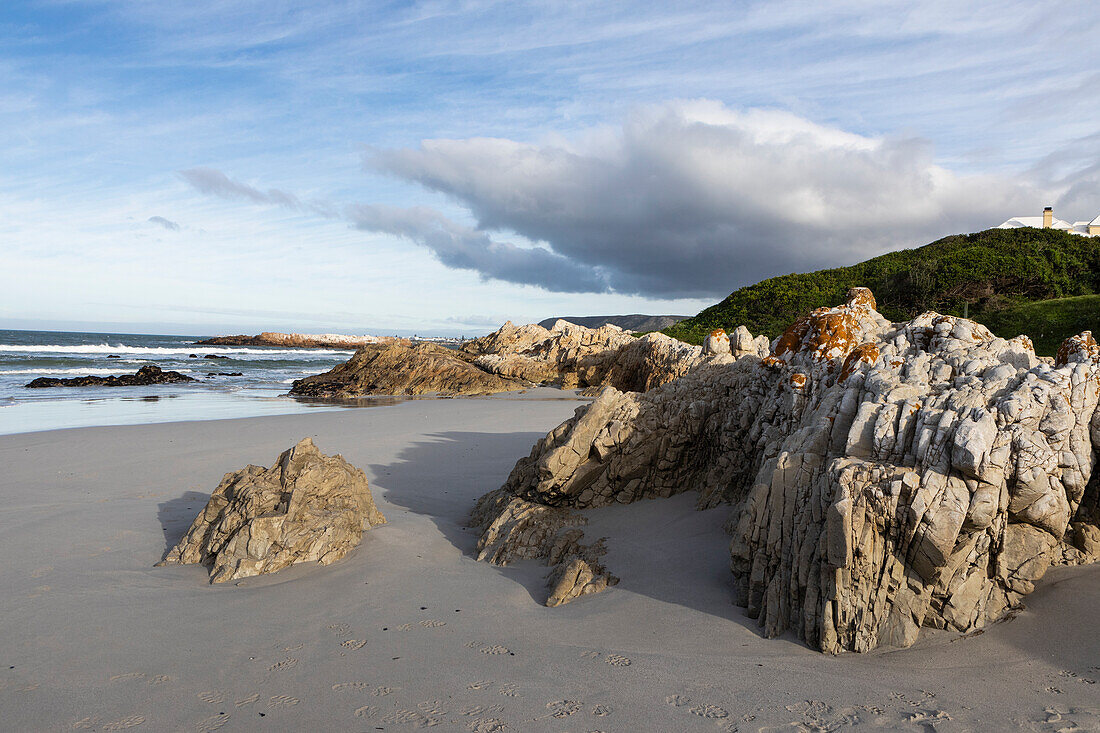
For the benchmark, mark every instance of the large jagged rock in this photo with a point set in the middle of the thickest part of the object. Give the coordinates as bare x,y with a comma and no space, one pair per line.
404,368
308,507
884,476
572,356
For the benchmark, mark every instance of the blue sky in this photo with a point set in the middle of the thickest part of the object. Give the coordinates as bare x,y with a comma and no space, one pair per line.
440,167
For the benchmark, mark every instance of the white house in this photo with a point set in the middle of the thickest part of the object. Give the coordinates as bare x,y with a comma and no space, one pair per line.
1047,221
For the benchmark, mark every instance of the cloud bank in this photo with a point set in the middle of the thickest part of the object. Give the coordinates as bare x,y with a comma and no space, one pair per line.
694,199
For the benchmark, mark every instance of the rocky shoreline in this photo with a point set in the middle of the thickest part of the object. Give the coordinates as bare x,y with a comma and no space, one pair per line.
884,476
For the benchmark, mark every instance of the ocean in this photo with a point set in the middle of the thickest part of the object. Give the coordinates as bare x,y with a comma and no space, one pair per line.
266,374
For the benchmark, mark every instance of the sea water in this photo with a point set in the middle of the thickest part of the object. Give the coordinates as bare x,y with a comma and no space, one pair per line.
266,374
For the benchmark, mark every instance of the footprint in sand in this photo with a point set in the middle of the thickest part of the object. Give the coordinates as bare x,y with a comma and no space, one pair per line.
160,679
405,627
350,686
339,629
127,676
383,691
214,697
213,723
617,660
86,723
283,665
487,725
291,648
367,711
494,649
247,700
479,685
354,644
432,707
482,709
712,712
678,701
39,572
563,708
509,690
602,711
27,688
130,721
1071,719
401,716
282,701
1055,690
432,623
590,655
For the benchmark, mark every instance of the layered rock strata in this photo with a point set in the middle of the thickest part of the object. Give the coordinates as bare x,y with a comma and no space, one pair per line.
147,375
308,507
884,476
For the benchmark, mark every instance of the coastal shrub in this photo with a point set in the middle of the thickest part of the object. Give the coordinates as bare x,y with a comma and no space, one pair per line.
979,275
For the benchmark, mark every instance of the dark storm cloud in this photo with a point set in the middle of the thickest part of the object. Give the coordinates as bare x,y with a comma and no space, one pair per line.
464,248
694,199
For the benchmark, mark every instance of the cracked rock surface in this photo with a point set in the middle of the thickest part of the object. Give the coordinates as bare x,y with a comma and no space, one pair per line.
308,507
883,476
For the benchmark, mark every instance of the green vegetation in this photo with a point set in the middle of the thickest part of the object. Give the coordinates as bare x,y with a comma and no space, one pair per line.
1048,322
998,277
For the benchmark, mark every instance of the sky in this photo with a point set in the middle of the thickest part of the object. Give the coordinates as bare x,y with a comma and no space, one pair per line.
217,166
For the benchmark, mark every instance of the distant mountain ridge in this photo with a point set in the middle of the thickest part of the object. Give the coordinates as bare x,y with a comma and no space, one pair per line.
633,322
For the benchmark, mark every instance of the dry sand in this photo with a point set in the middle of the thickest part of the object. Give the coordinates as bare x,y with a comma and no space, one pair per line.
409,631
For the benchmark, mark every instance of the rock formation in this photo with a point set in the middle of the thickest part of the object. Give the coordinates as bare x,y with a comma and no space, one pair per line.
149,374
295,340
514,529
514,357
883,476
403,368
307,507
716,342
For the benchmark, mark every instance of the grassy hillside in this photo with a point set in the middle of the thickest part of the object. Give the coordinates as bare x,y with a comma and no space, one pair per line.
993,275
1048,322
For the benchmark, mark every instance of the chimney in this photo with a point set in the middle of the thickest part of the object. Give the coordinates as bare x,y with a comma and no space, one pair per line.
1048,217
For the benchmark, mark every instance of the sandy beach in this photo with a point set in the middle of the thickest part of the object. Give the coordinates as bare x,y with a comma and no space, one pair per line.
410,631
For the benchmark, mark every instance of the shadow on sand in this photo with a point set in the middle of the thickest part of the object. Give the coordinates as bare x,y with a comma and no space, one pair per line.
663,548
176,515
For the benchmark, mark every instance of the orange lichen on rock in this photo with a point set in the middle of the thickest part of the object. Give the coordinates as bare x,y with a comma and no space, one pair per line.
1079,348
798,380
866,353
827,333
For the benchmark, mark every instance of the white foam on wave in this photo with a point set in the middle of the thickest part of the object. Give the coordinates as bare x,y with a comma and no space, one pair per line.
90,371
164,350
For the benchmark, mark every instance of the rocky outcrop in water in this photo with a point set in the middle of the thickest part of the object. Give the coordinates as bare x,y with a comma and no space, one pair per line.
147,375
308,507
404,368
884,476
294,340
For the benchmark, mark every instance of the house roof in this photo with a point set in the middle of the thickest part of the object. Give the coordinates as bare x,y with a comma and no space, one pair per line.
1034,221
